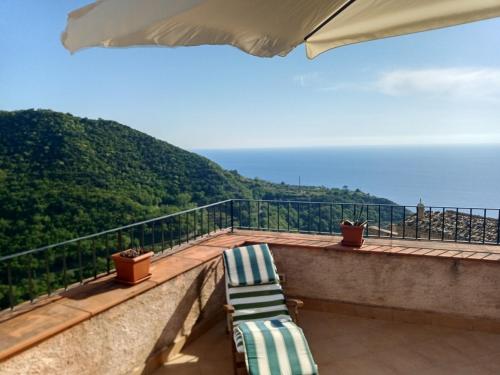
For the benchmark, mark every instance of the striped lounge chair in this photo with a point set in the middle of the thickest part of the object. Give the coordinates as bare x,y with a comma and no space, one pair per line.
262,322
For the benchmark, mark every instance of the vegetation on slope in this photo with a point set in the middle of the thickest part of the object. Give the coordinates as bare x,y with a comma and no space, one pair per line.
62,176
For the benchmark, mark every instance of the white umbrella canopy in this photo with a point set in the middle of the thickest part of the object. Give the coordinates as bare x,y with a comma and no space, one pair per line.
260,27
263,28
365,20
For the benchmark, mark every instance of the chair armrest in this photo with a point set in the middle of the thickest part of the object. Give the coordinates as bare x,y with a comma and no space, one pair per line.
294,302
293,305
229,309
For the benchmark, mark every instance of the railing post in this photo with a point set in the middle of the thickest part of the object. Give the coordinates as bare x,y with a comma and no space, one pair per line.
170,234
9,281
288,216
404,222
443,224
470,225
258,215
379,219
268,216
278,216
392,219
430,223
47,271
498,228
484,226
331,219
108,265
163,235
179,230
94,257
367,230
232,215
65,277
239,213
319,220
298,217
416,224
80,267
30,278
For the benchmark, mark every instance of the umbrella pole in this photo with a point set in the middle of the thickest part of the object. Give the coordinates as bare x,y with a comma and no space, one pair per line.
322,24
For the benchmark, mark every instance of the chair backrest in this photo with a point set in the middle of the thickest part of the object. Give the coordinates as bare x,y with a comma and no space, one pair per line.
250,265
252,285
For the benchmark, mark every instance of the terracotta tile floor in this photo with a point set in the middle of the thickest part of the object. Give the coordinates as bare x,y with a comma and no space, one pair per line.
344,345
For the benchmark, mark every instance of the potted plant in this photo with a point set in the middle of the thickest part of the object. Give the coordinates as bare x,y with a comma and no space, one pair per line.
132,265
352,231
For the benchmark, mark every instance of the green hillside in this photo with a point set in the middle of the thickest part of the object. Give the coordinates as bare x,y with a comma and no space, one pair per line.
63,176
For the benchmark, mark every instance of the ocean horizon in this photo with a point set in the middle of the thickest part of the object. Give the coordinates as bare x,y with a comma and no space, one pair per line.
451,175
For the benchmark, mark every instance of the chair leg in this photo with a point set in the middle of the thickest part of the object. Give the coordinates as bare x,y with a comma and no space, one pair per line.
240,367
233,352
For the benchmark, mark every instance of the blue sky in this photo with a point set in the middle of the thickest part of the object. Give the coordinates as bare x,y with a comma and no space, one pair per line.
429,88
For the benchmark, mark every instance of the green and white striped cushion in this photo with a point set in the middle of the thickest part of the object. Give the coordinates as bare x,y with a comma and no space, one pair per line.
257,302
273,347
250,265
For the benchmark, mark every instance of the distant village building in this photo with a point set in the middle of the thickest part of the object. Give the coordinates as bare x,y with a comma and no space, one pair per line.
420,210
450,225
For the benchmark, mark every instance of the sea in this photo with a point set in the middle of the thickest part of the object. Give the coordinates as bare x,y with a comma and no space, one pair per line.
453,176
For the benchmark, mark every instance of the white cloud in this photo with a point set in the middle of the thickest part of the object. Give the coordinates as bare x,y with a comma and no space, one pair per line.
307,79
349,86
455,83
471,83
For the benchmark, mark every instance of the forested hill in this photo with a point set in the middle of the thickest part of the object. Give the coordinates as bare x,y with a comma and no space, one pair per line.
63,176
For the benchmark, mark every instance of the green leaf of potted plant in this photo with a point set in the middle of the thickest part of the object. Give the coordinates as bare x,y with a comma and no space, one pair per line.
132,265
352,231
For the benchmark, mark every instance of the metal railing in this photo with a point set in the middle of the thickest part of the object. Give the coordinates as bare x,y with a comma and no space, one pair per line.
454,224
51,269
28,275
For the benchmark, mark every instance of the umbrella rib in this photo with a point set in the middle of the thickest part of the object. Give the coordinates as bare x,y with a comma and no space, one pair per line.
335,14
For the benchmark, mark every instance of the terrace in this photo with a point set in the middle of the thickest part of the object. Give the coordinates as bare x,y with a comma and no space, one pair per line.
398,305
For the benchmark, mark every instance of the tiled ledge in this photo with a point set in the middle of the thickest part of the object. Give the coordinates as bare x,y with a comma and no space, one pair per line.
45,319
373,245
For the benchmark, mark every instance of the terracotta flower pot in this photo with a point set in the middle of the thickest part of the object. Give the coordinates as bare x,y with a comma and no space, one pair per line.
353,235
132,270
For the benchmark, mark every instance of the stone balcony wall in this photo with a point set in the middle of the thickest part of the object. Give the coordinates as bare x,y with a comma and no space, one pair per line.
132,337
381,277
